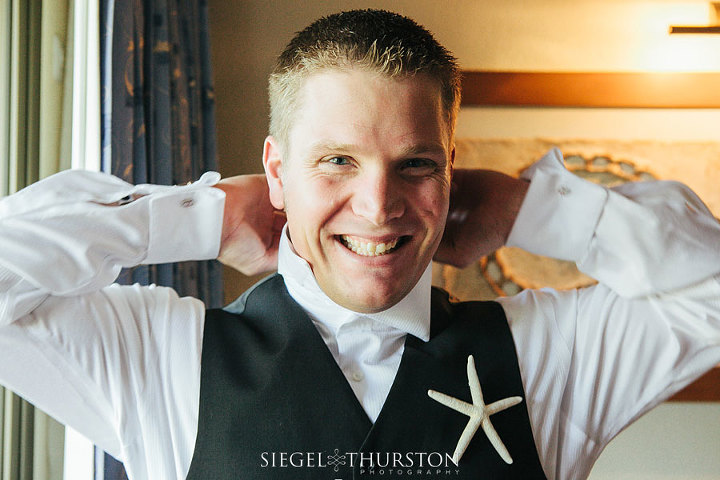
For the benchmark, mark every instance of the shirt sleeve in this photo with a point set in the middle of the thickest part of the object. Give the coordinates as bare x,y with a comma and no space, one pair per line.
89,352
593,360
637,238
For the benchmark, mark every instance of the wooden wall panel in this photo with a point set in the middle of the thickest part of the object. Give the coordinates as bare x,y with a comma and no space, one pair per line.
615,90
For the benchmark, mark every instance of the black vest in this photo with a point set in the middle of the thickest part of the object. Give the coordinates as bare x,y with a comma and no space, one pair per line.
275,405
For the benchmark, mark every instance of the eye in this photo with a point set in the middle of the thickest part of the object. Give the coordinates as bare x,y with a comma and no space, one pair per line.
335,164
417,162
338,161
419,166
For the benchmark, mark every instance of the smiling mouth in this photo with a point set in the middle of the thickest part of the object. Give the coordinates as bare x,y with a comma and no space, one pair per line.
371,249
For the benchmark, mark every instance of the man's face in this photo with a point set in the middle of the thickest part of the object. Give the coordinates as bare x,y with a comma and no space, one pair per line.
366,183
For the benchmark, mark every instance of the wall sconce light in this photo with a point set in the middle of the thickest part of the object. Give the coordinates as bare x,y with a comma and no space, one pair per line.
714,27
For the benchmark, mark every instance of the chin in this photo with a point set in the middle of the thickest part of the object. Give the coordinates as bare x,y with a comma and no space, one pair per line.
372,304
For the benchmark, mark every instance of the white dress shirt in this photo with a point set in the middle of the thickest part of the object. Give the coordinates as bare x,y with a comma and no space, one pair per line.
367,347
122,364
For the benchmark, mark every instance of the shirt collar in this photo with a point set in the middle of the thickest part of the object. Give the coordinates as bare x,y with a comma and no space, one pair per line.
410,315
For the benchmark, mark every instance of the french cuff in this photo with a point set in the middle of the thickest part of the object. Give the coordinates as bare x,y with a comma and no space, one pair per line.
560,211
186,222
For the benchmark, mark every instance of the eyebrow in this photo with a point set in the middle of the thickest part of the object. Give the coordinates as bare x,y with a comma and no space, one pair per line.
331,146
434,148
431,148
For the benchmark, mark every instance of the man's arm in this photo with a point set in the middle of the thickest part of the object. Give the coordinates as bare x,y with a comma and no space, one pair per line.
638,239
483,208
484,211
251,225
120,364
73,232
594,360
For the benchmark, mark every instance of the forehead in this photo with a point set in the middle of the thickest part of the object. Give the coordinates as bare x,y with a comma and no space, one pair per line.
368,109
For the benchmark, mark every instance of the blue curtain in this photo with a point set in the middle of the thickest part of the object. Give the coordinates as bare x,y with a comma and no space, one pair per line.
158,121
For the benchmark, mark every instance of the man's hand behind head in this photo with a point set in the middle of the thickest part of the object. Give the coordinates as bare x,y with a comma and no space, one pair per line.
251,226
483,208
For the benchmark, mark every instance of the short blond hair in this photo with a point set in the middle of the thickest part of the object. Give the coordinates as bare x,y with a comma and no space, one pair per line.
376,40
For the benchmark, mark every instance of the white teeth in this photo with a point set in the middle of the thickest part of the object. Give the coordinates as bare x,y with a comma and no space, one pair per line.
369,249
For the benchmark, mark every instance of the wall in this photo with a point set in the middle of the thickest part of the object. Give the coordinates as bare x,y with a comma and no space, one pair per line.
676,441
493,34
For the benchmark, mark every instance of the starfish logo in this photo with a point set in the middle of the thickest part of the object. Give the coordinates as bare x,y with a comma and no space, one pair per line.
478,412
335,460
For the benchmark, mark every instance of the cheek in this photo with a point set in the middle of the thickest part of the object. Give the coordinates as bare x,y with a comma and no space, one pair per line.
433,203
312,206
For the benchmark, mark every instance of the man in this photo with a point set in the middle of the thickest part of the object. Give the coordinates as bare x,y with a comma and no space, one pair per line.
360,159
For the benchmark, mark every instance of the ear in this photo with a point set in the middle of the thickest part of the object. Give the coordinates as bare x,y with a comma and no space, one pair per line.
273,162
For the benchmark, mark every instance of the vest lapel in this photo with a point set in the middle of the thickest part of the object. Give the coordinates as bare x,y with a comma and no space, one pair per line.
320,364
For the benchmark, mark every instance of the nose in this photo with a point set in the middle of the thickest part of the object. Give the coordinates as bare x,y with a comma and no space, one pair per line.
378,198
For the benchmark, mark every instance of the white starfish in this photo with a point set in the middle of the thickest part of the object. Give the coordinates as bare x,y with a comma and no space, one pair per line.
478,412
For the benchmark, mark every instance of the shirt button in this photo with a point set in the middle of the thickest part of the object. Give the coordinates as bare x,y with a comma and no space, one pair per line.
188,202
358,376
